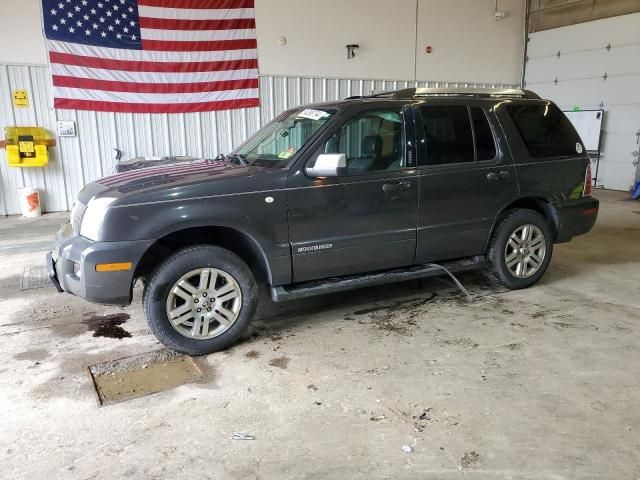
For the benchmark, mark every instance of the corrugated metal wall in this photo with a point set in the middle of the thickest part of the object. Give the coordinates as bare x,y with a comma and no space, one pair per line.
78,160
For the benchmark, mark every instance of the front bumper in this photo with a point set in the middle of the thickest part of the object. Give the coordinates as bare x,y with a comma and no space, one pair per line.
576,218
72,267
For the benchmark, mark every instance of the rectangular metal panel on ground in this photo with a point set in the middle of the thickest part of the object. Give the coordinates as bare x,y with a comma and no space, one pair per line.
143,374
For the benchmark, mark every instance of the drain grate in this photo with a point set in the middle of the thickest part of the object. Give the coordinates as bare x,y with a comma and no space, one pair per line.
139,375
35,277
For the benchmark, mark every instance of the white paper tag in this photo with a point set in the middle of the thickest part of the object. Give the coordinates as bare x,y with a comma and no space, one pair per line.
312,114
578,148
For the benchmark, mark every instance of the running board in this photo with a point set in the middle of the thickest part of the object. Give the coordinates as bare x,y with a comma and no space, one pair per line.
339,284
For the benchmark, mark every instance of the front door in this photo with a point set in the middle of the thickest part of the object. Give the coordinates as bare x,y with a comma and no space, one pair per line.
466,178
365,219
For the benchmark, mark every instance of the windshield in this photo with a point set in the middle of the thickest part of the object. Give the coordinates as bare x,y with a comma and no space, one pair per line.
277,142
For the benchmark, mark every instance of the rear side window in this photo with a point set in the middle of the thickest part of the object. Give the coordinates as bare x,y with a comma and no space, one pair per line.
544,129
448,135
485,145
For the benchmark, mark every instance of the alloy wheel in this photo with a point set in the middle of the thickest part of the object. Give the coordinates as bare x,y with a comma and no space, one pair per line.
204,303
525,251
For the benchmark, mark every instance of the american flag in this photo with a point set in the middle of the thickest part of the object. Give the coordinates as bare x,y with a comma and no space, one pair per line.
152,56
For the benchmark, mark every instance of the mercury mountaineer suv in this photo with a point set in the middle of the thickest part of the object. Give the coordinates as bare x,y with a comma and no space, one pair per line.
329,197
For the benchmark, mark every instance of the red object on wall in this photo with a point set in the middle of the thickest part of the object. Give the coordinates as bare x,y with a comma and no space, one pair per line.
33,200
428,49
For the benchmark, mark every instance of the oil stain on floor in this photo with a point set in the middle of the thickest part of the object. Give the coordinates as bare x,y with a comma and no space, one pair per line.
107,325
280,362
139,375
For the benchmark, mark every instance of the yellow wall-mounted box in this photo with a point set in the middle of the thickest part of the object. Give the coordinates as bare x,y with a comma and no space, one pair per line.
27,146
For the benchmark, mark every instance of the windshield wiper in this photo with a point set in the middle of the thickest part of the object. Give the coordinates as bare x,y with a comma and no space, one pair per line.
234,158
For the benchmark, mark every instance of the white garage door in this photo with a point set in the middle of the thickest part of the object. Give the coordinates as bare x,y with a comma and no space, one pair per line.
591,66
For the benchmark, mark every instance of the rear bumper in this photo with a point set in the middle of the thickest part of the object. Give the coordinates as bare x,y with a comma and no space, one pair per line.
576,218
72,267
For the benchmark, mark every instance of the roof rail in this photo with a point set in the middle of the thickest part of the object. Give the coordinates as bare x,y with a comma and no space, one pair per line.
383,93
479,92
476,92
471,91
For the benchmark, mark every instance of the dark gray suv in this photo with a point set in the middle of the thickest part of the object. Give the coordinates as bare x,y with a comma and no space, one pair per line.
329,197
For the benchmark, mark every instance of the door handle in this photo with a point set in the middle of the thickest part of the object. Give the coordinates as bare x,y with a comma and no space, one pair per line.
501,175
395,187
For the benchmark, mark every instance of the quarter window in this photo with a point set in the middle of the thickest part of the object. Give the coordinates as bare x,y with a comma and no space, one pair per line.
544,129
448,136
372,141
485,144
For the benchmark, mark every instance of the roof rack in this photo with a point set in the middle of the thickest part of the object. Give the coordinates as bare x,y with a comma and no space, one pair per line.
474,91
479,92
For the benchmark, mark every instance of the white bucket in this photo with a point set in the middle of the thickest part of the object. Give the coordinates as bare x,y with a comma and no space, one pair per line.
29,202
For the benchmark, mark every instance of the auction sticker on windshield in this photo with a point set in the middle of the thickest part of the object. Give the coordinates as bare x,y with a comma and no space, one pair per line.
312,114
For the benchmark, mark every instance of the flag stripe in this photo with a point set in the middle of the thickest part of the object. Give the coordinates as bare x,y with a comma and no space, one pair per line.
201,4
141,55
132,174
75,104
132,97
196,14
151,176
134,66
152,55
151,77
111,86
197,35
175,24
198,46
174,169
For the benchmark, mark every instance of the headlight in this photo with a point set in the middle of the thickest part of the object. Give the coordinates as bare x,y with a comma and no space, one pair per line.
93,216
77,212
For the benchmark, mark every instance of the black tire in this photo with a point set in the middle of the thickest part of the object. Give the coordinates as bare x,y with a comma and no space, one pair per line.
496,268
179,264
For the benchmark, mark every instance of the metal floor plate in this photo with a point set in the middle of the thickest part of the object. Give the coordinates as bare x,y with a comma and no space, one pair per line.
143,374
35,277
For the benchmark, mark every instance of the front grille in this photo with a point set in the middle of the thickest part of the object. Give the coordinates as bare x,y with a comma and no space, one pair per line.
77,212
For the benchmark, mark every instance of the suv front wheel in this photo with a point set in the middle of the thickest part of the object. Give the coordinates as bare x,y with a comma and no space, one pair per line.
520,249
200,300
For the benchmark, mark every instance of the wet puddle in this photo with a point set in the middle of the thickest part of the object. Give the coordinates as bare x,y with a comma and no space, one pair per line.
107,325
140,375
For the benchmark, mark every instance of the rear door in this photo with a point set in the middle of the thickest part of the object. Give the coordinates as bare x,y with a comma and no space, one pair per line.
364,220
466,178
550,157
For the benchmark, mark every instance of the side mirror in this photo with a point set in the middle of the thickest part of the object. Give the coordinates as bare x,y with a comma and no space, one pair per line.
328,165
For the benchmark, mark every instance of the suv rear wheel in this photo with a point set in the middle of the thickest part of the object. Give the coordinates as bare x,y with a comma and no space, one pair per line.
520,249
200,300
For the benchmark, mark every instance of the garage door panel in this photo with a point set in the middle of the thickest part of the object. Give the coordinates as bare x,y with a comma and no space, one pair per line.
616,164
569,94
541,69
622,119
584,60
596,63
623,90
589,35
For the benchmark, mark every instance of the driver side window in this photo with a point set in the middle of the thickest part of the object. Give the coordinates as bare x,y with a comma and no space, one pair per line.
372,140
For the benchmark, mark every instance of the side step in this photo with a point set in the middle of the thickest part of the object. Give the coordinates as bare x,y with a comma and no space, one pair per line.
339,284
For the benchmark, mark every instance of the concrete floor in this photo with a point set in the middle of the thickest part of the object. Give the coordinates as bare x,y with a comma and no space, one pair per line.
540,384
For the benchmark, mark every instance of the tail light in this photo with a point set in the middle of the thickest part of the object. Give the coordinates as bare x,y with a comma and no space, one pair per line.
586,192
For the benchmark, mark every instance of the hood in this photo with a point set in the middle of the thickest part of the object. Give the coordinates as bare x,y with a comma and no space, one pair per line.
169,182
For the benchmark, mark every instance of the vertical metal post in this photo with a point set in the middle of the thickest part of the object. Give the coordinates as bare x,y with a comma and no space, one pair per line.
525,41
